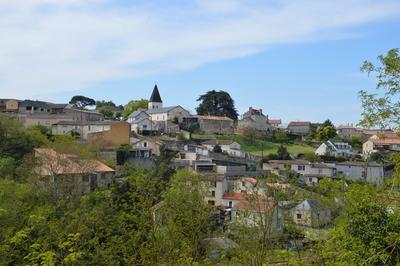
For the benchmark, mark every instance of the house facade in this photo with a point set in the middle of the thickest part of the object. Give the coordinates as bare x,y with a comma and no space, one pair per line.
221,125
348,131
299,127
69,174
229,147
335,149
81,128
370,172
254,118
311,213
383,145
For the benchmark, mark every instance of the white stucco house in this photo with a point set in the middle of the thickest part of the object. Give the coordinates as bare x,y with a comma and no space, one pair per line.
229,147
335,149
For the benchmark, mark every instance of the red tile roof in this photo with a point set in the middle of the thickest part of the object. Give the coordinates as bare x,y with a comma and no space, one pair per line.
275,121
257,205
235,196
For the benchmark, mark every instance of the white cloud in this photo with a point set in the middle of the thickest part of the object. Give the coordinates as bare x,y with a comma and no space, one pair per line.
51,46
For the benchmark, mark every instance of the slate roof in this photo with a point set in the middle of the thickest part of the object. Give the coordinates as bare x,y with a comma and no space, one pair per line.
314,204
38,104
155,96
161,110
137,112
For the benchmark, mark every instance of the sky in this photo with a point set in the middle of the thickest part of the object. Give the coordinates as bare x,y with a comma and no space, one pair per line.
295,59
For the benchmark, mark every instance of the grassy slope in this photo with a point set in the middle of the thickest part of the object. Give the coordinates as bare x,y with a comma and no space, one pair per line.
259,146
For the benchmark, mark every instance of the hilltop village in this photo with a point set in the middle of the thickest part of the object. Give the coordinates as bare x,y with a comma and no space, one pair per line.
245,162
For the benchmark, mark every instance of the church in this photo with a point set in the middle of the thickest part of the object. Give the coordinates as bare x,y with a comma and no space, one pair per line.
157,118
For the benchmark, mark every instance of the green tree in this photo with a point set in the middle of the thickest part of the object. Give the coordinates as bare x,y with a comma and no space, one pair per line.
134,105
103,103
81,102
7,167
108,114
187,221
326,132
217,149
367,232
381,109
217,103
280,136
282,153
15,141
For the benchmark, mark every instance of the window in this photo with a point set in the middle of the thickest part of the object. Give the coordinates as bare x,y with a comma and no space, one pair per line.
41,109
310,179
213,194
298,216
145,144
214,184
301,167
211,202
85,178
230,204
29,108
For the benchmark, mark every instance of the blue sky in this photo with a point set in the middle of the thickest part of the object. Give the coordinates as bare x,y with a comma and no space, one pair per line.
297,60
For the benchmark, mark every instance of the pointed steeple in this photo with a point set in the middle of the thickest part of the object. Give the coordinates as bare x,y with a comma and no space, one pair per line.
155,96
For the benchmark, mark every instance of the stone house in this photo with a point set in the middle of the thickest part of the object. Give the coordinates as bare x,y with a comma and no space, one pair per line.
253,210
335,149
299,127
221,125
383,145
118,134
69,174
311,213
32,113
348,131
218,185
370,172
81,128
141,123
254,118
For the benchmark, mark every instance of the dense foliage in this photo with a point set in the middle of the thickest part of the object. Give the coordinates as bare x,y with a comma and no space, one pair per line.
217,103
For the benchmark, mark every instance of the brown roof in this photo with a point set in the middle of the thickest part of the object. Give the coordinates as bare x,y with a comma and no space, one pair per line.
299,123
275,121
386,141
62,164
235,196
385,133
215,118
261,205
